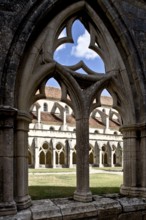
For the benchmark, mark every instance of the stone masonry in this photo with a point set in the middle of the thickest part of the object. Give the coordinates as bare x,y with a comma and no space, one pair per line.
29,36
111,207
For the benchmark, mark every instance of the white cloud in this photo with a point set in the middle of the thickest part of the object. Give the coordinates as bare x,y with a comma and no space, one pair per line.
81,49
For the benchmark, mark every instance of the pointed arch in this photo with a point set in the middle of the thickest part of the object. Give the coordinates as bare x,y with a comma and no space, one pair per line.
21,70
42,158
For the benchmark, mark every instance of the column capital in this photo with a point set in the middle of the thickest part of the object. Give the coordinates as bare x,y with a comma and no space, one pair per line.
133,127
7,111
22,115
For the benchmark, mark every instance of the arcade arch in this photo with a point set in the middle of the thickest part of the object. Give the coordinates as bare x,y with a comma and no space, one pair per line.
81,92
123,78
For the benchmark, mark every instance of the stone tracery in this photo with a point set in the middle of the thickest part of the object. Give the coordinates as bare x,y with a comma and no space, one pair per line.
124,78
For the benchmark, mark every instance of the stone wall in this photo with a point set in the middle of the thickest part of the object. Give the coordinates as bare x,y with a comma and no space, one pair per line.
26,63
111,207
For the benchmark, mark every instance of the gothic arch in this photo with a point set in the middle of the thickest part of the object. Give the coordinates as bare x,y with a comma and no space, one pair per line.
29,63
123,43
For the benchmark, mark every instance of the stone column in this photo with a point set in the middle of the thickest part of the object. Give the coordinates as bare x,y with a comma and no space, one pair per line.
37,163
54,154
39,115
112,159
7,203
64,125
132,162
21,161
96,155
70,164
142,169
82,192
100,158
107,124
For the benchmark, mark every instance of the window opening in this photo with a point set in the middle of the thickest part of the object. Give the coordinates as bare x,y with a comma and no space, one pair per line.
78,55
45,107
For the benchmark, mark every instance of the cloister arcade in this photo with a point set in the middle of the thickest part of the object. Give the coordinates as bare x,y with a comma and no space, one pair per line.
29,43
54,155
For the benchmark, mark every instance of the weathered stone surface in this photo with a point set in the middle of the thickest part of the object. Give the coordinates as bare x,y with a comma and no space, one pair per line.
107,207
131,216
132,204
101,208
45,209
144,215
71,209
23,215
121,26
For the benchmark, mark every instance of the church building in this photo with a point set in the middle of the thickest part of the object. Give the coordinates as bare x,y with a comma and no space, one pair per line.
52,134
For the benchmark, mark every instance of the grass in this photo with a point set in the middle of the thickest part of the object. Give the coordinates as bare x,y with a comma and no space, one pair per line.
63,185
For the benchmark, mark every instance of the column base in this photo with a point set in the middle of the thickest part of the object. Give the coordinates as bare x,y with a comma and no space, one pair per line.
8,208
83,197
133,191
23,202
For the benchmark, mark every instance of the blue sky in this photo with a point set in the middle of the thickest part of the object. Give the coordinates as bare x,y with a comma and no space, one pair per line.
71,53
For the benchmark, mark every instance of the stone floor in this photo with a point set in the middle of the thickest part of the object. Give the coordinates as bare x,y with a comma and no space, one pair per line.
106,207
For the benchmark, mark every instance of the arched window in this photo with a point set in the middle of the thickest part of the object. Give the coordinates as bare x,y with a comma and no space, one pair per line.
42,158
45,107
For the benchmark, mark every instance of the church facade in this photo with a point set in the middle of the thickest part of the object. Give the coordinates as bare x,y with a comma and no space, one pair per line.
52,134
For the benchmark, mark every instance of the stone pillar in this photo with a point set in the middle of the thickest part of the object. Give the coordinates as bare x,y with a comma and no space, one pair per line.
54,154
96,155
133,162
100,158
82,192
39,115
70,159
106,130
64,117
21,161
142,169
69,147
37,162
7,203
112,158
64,125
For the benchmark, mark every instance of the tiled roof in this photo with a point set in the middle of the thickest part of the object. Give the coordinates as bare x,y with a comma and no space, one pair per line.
55,94
48,118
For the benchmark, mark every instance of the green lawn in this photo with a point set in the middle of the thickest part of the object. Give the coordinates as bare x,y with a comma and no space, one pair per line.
63,185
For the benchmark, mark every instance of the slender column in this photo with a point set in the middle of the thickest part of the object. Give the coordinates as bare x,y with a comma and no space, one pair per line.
100,158
7,203
143,156
70,153
54,154
121,158
36,163
112,159
70,159
82,192
107,124
64,117
21,162
96,156
39,115
64,125
133,162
